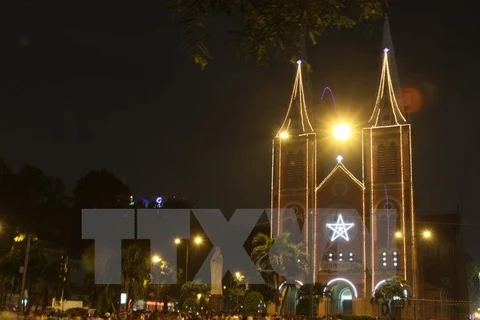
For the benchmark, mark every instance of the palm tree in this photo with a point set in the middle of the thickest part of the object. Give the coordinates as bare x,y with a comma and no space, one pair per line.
286,262
392,293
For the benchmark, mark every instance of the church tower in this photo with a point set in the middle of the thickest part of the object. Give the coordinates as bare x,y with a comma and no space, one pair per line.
294,168
387,176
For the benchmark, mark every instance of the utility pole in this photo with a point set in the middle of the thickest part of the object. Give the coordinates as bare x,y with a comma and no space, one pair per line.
24,275
64,279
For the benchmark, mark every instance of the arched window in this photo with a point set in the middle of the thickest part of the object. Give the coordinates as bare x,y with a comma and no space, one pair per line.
392,159
384,259
290,162
381,161
350,256
330,256
300,166
395,258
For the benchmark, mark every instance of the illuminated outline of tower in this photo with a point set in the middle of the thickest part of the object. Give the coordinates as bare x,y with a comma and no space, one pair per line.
294,164
294,182
387,163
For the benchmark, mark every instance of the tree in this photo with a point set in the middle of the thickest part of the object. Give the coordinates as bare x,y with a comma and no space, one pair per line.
266,28
135,278
43,274
303,307
135,271
392,295
473,271
33,200
283,255
99,189
252,302
190,291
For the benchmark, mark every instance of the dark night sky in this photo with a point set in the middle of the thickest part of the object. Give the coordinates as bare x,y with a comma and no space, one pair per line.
105,84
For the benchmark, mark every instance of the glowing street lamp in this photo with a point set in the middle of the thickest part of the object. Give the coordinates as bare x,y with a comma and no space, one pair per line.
156,259
196,241
283,135
239,276
342,131
427,234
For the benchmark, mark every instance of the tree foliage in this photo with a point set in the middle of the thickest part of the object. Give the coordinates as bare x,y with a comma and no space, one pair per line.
473,271
30,199
279,260
392,293
265,28
135,277
101,189
252,300
44,274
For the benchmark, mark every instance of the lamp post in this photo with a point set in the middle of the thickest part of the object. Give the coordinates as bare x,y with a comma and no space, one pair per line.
156,260
24,274
196,241
425,234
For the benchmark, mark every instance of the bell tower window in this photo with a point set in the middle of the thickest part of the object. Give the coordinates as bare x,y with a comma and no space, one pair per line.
384,259
300,166
381,161
290,166
395,258
392,159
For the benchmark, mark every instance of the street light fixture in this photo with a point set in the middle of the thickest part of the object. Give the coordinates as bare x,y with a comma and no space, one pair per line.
342,131
196,241
425,234
156,259
283,135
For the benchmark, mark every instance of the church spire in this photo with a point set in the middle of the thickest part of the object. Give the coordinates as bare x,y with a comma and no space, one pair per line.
296,120
389,109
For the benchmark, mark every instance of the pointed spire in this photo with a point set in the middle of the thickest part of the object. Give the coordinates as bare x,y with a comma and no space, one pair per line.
296,120
389,109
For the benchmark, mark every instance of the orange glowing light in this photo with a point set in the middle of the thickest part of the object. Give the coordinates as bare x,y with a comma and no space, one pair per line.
412,99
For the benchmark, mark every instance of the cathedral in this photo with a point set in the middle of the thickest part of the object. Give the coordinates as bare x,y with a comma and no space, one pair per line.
358,231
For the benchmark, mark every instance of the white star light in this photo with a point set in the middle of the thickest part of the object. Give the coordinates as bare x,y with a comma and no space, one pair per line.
340,228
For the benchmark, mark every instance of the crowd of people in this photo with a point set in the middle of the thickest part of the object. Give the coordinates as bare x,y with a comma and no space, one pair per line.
157,315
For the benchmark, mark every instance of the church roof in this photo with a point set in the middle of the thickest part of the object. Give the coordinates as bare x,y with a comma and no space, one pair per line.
340,167
389,108
296,120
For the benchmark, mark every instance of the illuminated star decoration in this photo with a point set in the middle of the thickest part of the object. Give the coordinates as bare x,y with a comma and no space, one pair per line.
340,228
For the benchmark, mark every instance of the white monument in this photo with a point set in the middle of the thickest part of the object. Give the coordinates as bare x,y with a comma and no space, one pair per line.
216,270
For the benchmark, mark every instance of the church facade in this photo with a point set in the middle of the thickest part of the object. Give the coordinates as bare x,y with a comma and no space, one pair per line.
358,231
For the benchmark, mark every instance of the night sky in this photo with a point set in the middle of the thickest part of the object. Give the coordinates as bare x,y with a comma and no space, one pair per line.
104,84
